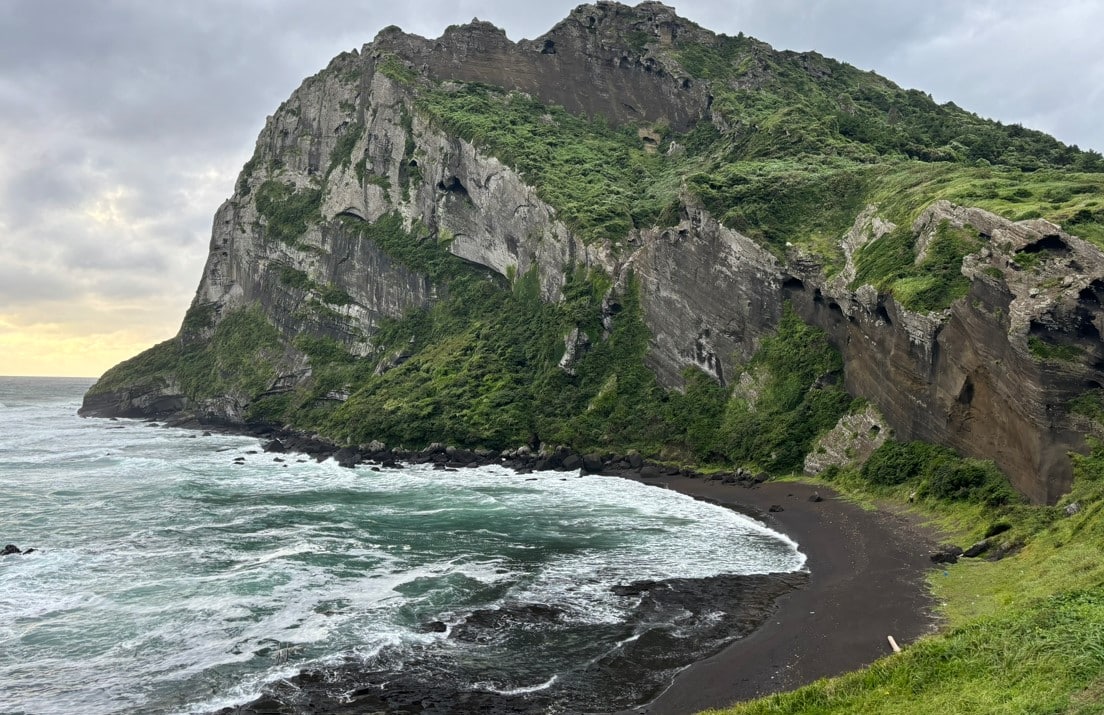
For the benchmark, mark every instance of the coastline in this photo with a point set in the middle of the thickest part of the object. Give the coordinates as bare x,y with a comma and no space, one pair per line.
867,571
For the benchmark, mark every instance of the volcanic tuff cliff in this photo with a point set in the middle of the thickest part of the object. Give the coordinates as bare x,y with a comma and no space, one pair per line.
435,235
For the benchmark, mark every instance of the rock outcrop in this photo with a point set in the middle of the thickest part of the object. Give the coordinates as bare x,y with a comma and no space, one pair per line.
977,376
351,148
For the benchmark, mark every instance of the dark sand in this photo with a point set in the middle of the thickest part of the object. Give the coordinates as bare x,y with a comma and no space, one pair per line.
867,582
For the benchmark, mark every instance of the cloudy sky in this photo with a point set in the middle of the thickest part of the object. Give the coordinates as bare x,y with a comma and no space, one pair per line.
123,123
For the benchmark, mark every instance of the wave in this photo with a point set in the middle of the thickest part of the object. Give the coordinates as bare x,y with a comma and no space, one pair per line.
487,687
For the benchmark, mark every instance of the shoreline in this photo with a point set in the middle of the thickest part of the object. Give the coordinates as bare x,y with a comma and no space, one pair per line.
867,568
867,581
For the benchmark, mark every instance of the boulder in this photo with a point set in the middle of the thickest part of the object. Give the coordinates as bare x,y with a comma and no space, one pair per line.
946,554
593,463
649,471
999,552
347,457
275,446
9,550
572,462
977,549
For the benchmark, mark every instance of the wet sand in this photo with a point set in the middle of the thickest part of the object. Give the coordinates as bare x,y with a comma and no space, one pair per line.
867,582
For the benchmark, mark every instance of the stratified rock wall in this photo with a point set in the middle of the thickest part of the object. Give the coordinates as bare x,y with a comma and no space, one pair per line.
581,64
966,377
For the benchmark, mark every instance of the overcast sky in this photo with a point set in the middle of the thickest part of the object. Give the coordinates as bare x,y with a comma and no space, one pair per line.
123,123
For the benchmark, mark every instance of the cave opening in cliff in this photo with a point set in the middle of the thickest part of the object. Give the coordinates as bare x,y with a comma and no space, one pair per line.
793,285
1086,328
966,394
1046,243
1091,293
452,185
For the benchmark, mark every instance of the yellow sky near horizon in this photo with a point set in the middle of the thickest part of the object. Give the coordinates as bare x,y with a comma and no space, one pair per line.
52,351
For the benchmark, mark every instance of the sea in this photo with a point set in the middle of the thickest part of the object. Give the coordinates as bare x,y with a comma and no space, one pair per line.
168,578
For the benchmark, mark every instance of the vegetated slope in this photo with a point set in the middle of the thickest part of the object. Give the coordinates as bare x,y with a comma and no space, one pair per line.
609,238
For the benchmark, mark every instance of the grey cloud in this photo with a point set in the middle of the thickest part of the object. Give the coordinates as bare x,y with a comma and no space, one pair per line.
21,285
158,104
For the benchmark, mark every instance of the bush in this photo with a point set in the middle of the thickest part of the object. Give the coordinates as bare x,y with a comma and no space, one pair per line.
937,472
288,211
896,463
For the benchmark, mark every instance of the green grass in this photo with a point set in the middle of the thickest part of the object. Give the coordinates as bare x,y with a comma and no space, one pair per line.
800,397
342,153
889,264
1037,659
783,103
1051,351
295,278
1071,199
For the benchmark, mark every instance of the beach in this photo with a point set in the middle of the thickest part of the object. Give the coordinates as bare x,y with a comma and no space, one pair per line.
867,581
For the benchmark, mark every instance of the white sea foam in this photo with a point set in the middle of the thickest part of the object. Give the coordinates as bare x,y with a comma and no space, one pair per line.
165,570
490,688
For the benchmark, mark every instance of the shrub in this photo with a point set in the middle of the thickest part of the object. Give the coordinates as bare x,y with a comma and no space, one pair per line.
288,212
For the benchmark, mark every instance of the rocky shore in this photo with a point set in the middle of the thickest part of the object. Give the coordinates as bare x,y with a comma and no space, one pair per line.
690,619
524,459
865,581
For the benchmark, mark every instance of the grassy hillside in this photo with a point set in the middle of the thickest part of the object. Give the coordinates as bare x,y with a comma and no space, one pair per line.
604,181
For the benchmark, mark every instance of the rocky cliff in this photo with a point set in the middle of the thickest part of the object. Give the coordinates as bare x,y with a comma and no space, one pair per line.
631,169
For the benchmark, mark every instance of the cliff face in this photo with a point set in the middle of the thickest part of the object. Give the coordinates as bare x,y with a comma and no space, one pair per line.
582,64
967,376
356,156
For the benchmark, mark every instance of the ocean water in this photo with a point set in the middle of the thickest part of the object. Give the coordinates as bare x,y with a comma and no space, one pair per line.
168,579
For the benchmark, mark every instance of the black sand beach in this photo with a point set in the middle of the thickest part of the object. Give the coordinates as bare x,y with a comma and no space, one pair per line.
867,571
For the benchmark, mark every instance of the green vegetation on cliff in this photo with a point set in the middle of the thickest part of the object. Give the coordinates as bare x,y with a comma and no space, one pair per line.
599,178
481,367
801,154
783,104
933,282
237,360
288,211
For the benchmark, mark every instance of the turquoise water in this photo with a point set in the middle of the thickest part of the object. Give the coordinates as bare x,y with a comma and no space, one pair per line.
169,579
